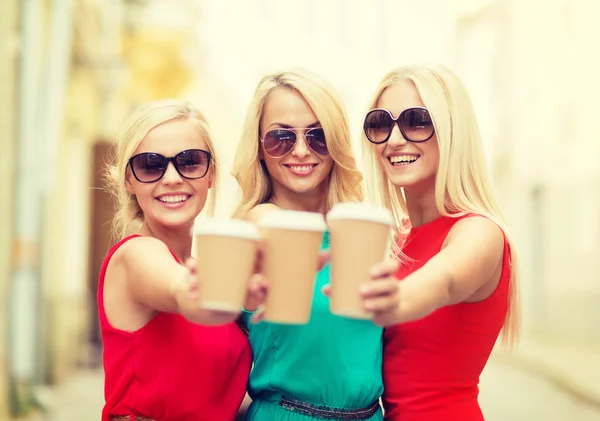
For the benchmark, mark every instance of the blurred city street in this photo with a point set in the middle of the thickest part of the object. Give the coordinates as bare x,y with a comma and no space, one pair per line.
507,394
510,394
74,70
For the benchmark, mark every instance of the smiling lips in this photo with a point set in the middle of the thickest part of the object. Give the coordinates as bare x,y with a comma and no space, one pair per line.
301,169
173,200
406,159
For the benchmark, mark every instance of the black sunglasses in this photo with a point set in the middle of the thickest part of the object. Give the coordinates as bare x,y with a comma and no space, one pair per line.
415,124
149,167
279,142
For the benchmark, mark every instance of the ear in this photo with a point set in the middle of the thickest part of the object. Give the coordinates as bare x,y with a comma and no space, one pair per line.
128,184
210,179
260,152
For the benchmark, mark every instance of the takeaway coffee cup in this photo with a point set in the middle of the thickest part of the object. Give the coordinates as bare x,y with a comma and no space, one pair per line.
292,242
225,256
359,238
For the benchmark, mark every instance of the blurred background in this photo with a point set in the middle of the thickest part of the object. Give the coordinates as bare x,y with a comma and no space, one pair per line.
71,71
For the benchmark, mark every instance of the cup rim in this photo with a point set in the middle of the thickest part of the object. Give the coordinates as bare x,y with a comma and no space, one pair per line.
227,227
293,220
360,212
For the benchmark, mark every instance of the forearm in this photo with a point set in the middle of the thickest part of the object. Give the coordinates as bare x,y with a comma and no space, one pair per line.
422,292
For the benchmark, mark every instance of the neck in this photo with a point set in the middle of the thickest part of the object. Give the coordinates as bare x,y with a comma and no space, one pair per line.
313,201
179,239
421,205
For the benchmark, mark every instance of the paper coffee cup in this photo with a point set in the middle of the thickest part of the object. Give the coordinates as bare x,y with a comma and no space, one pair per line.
225,256
359,239
292,241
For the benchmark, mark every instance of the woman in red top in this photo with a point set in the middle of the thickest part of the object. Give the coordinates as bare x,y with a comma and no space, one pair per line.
161,359
457,270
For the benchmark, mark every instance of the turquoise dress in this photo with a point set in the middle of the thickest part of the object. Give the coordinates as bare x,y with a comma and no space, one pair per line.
330,362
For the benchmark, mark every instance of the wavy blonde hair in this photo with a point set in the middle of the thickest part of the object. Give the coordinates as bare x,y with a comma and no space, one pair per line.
129,216
463,184
250,172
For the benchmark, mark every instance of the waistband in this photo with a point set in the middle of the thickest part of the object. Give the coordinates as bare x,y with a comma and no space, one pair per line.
129,418
323,412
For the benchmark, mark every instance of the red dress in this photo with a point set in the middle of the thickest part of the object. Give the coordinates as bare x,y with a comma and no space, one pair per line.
431,367
172,369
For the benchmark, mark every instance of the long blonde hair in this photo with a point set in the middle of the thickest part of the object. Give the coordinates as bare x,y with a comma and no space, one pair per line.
462,184
251,174
129,216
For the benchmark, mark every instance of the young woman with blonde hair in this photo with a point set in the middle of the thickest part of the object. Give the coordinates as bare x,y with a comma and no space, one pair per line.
160,360
295,154
457,266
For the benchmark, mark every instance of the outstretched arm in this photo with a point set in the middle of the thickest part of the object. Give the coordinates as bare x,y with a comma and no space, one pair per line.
467,268
153,278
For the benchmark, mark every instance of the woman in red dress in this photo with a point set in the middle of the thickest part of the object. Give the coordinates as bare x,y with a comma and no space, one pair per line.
162,360
457,270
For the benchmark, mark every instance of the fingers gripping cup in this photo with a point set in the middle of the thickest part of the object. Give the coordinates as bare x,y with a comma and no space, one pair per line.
292,241
225,256
359,238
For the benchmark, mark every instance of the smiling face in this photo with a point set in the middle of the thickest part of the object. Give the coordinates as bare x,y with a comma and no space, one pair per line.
412,165
302,170
173,201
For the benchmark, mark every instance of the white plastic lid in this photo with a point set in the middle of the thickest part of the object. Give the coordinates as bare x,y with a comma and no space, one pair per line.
361,212
227,228
294,220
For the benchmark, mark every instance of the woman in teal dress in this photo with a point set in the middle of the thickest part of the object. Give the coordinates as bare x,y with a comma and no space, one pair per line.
295,154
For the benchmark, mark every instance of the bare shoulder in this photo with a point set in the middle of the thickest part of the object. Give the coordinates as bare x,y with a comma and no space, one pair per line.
259,211
477,231
139,249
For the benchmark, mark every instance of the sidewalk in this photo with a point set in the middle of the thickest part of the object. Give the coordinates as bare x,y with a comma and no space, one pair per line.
572,368
79,398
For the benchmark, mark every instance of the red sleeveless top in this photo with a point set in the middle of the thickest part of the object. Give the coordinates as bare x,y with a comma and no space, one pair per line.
172,369
431,366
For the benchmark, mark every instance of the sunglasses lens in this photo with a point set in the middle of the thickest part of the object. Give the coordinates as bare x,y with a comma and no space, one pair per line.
416,124
148,167
316,140
279,142
192,163
378,126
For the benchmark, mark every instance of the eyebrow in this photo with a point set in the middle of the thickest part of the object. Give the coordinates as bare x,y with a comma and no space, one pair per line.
287,126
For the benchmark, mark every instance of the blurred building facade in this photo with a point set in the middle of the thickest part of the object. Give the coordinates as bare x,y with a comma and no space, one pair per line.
8,96
77,68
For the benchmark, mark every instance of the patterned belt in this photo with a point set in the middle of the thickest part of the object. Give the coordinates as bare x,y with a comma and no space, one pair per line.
328,413
129,418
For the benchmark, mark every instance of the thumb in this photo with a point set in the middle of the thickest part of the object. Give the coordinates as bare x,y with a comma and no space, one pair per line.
326,290
190,264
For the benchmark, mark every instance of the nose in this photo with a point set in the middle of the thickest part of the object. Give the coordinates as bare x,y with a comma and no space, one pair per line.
171,175
396,137
301,148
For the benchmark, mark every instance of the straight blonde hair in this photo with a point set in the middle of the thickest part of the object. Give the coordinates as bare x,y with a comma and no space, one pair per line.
462,184
129,216
346,181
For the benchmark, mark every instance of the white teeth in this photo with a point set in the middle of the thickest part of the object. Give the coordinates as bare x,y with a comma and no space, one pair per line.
173,199
403,158
301,168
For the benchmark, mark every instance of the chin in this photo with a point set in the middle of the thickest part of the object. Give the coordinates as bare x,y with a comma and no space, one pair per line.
177,221
303,189
405,182
414,184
